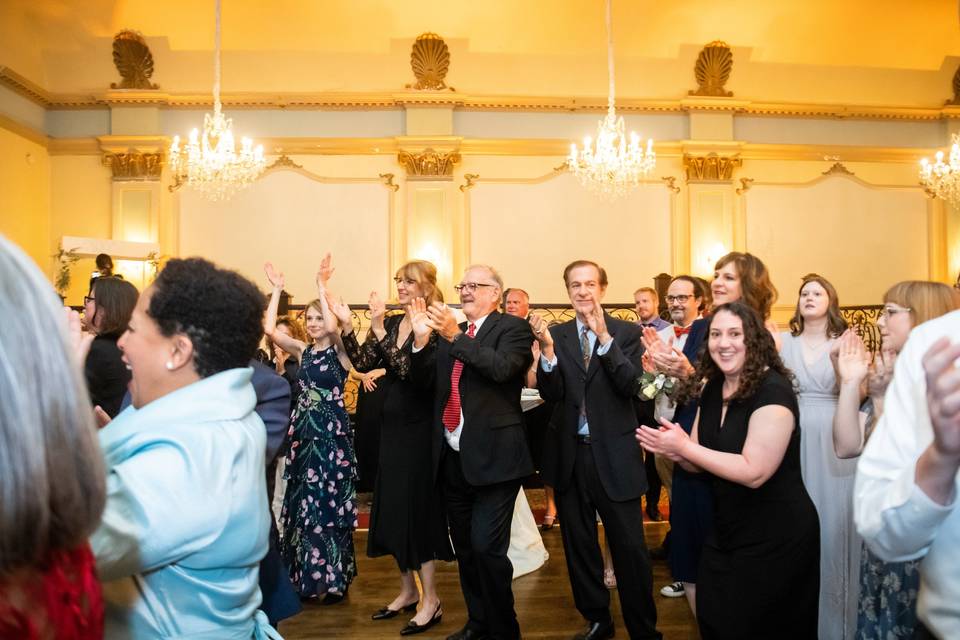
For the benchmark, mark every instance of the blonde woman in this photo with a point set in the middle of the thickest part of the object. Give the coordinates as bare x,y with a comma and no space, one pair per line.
887,606
407,520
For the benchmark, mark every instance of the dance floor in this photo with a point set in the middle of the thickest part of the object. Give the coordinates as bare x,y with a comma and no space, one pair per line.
544,603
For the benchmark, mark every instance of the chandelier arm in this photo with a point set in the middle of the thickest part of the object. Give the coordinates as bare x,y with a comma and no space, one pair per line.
216,61
612,95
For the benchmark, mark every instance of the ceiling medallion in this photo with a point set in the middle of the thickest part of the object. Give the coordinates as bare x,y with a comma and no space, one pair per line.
612,166
210,163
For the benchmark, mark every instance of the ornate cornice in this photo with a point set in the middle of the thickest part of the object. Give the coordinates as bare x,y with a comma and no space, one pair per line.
710,167
481,102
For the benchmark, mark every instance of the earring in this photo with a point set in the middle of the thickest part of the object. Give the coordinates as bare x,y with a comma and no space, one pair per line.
169,365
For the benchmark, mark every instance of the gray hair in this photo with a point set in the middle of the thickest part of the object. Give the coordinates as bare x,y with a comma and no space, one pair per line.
52,484
493,273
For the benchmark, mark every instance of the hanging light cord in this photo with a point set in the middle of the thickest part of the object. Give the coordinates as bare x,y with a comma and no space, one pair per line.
216,62
610,99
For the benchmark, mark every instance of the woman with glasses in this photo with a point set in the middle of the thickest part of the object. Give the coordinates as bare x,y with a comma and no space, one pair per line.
107,311
815,327
888,590
319,513
407,520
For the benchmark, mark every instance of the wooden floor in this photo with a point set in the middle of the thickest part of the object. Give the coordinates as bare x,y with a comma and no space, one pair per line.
544,603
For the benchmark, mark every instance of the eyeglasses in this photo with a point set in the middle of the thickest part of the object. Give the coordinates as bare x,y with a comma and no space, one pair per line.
470,287
88,299
681,299
407,281
891,310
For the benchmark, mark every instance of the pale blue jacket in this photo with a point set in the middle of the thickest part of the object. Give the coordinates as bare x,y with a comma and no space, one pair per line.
186,520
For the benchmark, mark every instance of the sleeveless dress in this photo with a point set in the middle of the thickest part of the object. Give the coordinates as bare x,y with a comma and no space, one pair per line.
407,518
829,481
759,571
319,507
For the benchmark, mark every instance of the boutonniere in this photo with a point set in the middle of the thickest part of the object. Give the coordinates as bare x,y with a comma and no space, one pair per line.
654,385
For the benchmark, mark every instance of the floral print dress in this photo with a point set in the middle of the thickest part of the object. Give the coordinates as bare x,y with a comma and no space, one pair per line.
319,507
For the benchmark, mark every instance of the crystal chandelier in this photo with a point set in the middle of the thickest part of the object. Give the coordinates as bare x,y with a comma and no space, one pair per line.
941,179
210,163
611,167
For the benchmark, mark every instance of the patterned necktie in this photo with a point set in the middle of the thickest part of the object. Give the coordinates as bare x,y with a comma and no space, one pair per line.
585,347
451,412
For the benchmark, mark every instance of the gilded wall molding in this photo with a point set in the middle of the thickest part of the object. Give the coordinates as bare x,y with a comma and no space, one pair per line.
670,182
480,102
284,161
838,169
471,180
712,70
134,165
710,167
429,164
387,179
744,186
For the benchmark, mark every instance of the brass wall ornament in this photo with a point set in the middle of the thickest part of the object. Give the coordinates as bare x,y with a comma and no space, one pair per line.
956,89
134,165
670,182
429,164
133,60
471,180
837,169
284,161
430,61
712,70
710,168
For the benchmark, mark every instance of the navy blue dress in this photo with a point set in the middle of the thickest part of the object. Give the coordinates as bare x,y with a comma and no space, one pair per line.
691,506
319,511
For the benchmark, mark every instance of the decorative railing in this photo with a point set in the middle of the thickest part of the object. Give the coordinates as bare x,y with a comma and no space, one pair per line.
863,319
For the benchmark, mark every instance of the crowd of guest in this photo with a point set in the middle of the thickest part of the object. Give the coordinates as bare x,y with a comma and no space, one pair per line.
810,482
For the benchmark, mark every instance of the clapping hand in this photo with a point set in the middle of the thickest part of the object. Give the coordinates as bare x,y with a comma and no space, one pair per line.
852,358
341,311
943,396
881,372
541,330
79,341
646,360
668,440
419,322
378,309
652,342
671,361
273,276
441,319
598,323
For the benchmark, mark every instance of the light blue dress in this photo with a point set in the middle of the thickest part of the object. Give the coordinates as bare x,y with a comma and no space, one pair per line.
186,520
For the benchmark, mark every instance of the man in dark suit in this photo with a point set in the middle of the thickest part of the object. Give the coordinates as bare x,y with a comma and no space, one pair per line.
480,451
590,366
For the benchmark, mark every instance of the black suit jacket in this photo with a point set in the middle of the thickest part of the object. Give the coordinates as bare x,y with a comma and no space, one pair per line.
608,388
493,446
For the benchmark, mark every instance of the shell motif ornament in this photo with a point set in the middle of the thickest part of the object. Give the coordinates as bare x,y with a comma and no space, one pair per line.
956,89
430,61
712,70
133,60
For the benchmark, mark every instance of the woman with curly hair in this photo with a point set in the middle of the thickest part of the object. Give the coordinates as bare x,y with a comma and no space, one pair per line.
814,329
186,521
766,536
319,511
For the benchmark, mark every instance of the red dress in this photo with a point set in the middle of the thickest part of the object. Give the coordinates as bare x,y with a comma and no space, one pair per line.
60,600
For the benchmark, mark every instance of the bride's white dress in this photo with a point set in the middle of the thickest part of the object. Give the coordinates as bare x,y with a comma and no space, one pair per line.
526,551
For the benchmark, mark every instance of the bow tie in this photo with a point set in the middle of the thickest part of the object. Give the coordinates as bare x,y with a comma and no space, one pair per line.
679,331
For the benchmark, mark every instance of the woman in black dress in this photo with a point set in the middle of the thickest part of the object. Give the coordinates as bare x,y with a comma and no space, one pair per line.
407,519
106,311
759,571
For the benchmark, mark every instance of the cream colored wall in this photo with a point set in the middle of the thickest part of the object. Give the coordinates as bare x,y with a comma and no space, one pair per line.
80,205
25,196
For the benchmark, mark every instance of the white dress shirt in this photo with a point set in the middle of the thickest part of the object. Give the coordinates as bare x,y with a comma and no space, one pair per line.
453,437
897,520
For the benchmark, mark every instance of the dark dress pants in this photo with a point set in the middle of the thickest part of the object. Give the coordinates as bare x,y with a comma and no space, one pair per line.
480,520
578,507
654,483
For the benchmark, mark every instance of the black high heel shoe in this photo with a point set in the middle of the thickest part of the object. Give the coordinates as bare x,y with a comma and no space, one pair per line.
386,613
412,627
334,598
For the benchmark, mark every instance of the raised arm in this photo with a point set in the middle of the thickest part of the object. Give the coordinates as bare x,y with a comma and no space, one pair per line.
289,344
848,420
549,375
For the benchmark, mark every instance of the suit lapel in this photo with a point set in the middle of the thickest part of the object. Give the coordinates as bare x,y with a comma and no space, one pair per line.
487,326
594,358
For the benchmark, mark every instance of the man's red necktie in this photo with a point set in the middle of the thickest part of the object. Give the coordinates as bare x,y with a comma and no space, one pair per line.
451,412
